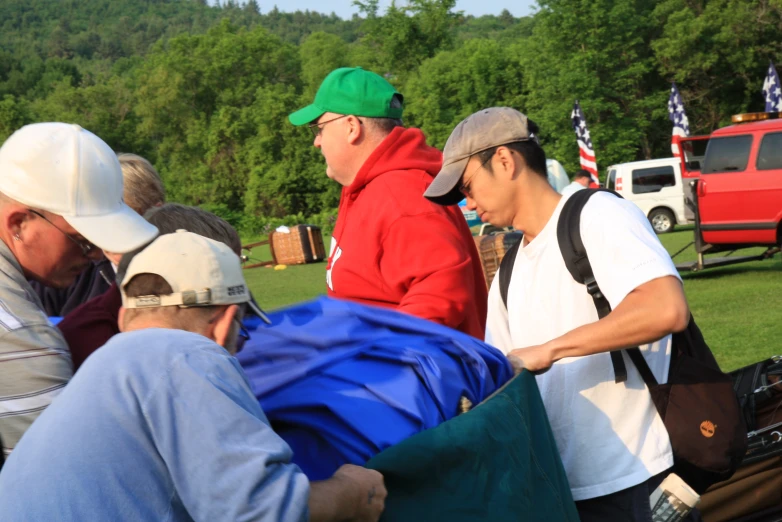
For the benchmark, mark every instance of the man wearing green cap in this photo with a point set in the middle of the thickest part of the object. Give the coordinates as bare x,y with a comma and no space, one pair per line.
391,247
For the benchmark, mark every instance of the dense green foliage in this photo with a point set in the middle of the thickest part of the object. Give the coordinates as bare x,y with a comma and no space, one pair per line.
204,91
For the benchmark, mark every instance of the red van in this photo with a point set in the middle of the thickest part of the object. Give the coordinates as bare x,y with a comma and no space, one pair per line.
738,189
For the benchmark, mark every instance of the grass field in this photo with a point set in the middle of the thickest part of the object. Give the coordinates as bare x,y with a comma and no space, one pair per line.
277,288
738,308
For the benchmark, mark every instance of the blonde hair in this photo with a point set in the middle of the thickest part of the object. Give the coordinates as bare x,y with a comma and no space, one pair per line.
143,188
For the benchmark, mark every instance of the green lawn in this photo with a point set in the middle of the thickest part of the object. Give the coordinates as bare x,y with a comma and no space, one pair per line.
277,288
737,307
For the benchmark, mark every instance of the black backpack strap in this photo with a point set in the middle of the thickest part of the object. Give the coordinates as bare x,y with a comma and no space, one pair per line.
643,368
577,262
506,270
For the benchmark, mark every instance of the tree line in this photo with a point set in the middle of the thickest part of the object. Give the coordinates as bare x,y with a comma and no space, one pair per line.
204,91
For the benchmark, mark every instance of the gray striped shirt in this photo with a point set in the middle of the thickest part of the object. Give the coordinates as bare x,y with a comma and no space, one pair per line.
35,364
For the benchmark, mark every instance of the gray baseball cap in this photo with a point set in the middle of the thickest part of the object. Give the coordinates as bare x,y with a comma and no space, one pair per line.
478,132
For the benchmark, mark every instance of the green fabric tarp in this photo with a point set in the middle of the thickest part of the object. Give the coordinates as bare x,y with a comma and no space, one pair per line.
497,462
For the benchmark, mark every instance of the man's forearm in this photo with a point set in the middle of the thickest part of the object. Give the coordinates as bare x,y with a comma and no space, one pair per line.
328,501
647,314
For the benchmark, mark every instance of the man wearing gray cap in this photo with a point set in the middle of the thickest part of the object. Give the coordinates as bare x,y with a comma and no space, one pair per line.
163,422
60,205
612,441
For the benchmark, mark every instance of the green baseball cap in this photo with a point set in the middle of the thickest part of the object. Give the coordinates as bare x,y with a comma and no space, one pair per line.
351,90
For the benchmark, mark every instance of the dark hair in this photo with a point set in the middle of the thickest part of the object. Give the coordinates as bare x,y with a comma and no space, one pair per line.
172,216
530,150
384,125
147,284
582,174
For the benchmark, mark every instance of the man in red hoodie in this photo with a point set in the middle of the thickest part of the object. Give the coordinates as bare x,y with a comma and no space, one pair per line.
391,247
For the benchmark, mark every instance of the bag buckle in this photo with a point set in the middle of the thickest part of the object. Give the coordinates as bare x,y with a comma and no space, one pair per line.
593,289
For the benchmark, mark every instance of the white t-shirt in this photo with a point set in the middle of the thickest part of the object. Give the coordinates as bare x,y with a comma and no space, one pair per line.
609,435
573,187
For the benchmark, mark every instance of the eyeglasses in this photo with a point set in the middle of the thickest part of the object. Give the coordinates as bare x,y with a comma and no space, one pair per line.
465,188
85,246
242,337
317,128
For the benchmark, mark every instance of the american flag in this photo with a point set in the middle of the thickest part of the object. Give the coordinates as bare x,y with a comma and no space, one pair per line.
681,125
586,151
772,91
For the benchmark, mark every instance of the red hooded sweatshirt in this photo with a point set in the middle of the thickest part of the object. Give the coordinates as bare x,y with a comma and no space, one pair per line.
392,247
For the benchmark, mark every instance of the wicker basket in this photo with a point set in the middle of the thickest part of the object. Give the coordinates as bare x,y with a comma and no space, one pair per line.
303,244
492,249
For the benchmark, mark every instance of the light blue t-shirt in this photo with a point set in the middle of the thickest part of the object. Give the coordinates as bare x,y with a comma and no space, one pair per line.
156,425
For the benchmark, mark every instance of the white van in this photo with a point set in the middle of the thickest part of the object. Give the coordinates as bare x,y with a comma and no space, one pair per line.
655,186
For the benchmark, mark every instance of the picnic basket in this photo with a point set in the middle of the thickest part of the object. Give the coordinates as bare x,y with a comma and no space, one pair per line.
301,244
492,249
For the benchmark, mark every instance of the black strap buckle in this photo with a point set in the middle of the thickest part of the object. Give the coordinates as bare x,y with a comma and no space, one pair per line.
593,289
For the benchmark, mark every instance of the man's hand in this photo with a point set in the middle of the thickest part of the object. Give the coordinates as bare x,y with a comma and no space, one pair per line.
369,489
353,494
536,359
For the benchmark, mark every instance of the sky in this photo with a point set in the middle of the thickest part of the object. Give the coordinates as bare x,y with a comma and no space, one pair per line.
345,9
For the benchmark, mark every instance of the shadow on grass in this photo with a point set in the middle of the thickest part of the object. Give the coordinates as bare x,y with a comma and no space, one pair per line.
770,265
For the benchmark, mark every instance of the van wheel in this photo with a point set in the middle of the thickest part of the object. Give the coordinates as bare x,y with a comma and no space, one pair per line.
662,220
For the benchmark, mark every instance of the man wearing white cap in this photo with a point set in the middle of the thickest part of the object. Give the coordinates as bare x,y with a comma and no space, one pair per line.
60,205
174,432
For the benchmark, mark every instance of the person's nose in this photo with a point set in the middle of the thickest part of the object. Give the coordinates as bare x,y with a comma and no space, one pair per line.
316,141
471,204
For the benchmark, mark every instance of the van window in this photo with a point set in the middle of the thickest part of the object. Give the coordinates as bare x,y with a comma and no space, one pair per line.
694,151
653,179
770,154
611,179
729,154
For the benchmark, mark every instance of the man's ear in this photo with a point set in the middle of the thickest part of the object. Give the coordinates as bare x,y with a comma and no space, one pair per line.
14,219
506,164
220,328
355,130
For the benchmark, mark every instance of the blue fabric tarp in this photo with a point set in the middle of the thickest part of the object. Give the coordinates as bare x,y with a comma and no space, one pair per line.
341,381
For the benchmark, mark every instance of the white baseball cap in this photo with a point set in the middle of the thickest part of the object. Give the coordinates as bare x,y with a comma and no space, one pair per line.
69,171
200,271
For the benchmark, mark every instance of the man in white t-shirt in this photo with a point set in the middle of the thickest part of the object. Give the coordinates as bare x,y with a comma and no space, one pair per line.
580,181
612,441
